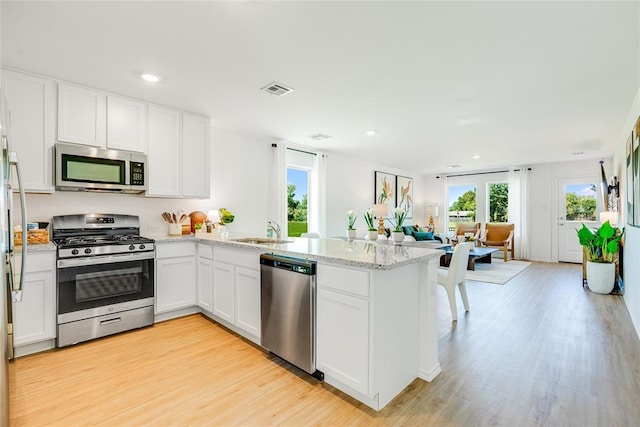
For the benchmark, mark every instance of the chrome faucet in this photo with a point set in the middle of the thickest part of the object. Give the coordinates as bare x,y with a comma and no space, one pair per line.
272,225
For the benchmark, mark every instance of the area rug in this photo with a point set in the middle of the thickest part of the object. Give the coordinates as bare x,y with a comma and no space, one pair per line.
498,272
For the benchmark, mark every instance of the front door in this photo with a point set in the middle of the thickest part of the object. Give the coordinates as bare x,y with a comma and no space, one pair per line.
578,204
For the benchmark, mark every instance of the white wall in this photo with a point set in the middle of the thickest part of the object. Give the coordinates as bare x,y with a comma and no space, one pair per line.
632,234
350,185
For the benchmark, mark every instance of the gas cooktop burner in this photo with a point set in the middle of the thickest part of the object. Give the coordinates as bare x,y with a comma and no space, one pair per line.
101,240
87,235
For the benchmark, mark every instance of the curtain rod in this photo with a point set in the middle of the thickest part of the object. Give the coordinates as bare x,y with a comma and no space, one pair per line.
274,145
483,173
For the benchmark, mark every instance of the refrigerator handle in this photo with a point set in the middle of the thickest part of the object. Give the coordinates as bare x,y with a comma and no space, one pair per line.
16,294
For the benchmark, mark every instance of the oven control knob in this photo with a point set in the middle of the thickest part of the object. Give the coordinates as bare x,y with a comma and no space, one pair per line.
87,251
75,252
132,247
142,246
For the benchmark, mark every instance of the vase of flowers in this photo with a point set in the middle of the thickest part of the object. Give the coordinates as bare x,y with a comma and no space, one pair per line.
351,220
372,232
397,235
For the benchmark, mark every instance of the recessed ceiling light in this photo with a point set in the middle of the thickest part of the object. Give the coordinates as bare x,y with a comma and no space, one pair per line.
151,78
371,132
578,153
475,156
453,166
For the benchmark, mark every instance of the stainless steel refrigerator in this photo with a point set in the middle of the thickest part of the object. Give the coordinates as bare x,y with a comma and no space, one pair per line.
10,277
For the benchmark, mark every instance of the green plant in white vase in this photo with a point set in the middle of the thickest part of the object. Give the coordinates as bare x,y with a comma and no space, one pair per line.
351,220
600,247
371,229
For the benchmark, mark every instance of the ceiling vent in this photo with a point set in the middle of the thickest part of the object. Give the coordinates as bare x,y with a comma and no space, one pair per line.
319,136
277,89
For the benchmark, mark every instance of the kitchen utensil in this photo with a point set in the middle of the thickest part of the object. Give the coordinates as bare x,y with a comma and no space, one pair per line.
183,218
167,217
175,218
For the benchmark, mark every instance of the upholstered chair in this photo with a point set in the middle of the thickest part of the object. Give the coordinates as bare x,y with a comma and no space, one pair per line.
498,235
465,228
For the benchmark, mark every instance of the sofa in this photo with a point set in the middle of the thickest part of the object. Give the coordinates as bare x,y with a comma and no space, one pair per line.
414,233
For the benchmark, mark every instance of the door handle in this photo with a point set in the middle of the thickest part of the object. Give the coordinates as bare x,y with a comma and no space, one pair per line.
109,321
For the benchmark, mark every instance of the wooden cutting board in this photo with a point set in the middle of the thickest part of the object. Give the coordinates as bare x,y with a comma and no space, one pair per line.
197,217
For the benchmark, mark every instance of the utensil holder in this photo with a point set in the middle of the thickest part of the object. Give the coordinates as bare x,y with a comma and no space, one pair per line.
175,229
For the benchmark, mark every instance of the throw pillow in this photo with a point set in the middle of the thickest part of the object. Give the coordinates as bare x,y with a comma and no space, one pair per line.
408,229
423,235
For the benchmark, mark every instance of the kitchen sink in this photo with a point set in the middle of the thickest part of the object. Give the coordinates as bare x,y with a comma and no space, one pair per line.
260,240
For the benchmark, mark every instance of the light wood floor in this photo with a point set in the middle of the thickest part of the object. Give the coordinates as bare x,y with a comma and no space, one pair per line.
539,350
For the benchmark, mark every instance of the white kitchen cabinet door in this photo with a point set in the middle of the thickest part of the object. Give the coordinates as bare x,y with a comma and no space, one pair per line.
205,284
195,156
126,124
82,116
34,318
248,300
343,338
175,283
164,152
224,291
31,102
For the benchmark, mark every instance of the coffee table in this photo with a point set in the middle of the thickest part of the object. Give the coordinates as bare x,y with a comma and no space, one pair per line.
482,255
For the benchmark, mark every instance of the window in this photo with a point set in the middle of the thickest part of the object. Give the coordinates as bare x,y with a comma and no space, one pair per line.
462,204
297,200
498,202
580,202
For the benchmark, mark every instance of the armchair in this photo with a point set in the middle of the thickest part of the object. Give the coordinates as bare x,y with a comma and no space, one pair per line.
498,236
465,228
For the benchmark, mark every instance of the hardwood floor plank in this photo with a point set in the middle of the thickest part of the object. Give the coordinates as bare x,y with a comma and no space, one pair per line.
539,350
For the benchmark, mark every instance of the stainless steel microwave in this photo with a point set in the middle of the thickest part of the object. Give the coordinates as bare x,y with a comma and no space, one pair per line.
84,168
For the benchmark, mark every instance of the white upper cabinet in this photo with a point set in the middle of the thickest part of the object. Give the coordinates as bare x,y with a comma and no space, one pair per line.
164,152
126,124
195,156
31,103
82,116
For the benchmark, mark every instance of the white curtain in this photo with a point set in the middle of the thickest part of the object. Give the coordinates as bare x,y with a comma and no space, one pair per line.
519,210
318,195
279,191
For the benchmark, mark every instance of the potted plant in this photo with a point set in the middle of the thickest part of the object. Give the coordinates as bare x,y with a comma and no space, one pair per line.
371,229
397,235
600,247
351,220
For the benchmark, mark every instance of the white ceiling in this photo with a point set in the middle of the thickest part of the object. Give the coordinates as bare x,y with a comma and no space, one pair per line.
514,82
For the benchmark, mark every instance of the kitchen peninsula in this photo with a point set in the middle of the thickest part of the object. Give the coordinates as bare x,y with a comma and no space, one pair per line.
376,303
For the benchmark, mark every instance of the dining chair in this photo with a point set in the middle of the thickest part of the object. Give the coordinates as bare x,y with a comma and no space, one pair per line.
455,276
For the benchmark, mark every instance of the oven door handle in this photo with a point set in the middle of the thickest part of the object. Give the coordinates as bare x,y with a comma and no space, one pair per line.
78,262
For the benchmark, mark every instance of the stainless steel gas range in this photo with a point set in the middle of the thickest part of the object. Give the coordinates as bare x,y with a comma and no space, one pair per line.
105,276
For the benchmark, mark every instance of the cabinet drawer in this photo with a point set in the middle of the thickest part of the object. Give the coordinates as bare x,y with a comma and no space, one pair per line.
205,251
36,262
343,279
238,257
170,250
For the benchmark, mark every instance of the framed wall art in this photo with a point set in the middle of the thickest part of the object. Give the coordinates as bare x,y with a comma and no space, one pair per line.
404,194
384,190
629,181
636,173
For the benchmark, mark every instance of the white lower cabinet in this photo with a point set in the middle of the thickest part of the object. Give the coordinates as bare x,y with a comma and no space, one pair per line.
175,276
236,290
343,338
205,277
34,318
248,300
224,291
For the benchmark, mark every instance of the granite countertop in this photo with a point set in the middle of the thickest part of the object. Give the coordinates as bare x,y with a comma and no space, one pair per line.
379,255
45,247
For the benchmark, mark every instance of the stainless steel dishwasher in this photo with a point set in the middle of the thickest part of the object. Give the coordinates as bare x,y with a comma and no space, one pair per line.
287,309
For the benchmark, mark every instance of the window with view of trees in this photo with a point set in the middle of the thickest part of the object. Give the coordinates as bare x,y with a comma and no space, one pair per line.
297,197
463,205
580,200
498,202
